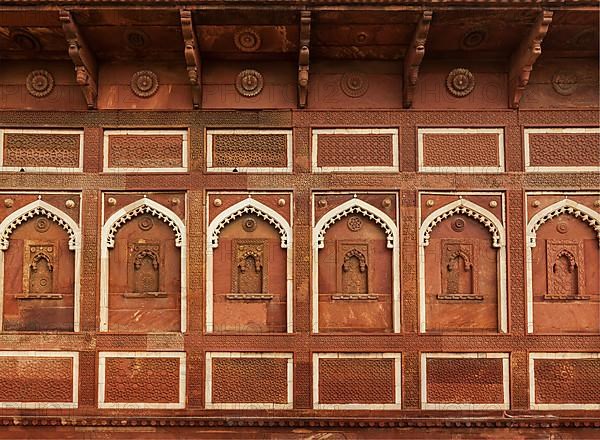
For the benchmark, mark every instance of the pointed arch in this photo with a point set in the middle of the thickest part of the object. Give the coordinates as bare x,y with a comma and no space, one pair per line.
565,206
142,206
357,206
249,206
470,209
35,208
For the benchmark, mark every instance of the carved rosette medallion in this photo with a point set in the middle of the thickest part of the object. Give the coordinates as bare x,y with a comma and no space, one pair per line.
144,83
145,223
136,39
458,225
249,224
473,38
40,83
354,85
562,228
42,224
25,40
247,40
564,83
460,82
249,83
354,223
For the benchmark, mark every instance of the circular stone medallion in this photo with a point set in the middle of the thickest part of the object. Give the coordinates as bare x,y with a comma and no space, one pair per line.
249,224
458,225
42,224
247,40
249,83
564,83
460,82
40,83
354,223
144,83
354,85
145,223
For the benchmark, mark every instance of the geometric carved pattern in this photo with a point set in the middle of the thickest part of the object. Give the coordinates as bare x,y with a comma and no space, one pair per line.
348,150
41,150
245,150
145,151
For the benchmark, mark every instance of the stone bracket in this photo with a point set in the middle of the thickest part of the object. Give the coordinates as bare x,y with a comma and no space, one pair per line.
522,60
86,69
192,56
413,58
303,58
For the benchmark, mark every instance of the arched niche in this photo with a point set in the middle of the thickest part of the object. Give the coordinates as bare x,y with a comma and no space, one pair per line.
355,280
248,270
40,255
143,270
462,266
564,254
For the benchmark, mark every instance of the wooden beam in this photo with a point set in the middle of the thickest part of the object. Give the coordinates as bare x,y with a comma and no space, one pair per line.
303,58
86,70
521,62
413,58
192,56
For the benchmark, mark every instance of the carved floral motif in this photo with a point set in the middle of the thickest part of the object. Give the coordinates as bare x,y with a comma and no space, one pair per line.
354,85
40,83
247,40
144,83
460,82
564,83
249,83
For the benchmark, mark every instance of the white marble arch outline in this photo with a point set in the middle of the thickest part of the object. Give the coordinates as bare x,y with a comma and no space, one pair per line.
173,220
318,236
22,215
483,216
564,206
216,226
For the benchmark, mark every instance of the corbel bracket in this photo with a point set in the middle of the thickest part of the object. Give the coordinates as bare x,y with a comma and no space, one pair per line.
413,58
521,62
192,56
303,58
86,69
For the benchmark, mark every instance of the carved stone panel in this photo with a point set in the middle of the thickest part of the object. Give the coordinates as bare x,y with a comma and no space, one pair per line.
459,271
144,270
565,269
250,268
40,266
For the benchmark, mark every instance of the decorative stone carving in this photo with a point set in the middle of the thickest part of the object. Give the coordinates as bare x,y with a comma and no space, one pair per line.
217,202
474,38
42,224
430,203
322,203
136,39
562,227
144,83
144,270
249,83
145,223
25,40
40,83
281,202
459,276
458,225
386,203
9,203
247,40
354,271
111,201
354,223
493,204
564,83
250,274
565,207
249,224
565,270
460,82
70,204
39,270
354,85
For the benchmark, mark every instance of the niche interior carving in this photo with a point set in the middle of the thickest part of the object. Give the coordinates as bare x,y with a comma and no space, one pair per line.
250,269
40,268
459,271
565,269
353,271
144,266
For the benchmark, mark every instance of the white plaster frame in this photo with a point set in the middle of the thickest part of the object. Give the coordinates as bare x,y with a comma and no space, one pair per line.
557,406
47,405
21,215
209,151
527,132
316,132
78,169
103,355
498,242
220,221
209,404
466,406
358,406
337,213
467,169
566,206
173,220
133,132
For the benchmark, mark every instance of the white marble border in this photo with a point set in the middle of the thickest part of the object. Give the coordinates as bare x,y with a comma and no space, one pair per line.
103,355
358,406
209,265
501,271
466,406
332,213
104,254
527,132
209,151
316,132
557,406
157,132
466,169
531,235
76,247
79,168
209,404
47,405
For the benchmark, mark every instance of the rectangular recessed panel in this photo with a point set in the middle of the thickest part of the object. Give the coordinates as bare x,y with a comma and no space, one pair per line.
356,381
250,380
568,149
41,150
249,150
145,150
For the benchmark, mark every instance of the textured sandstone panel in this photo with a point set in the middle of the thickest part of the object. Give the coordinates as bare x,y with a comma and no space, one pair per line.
41,150
249,380
36,379
460,150
564,149
464,380
567,381
142,380
250,150
356,380
354,150
145,151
